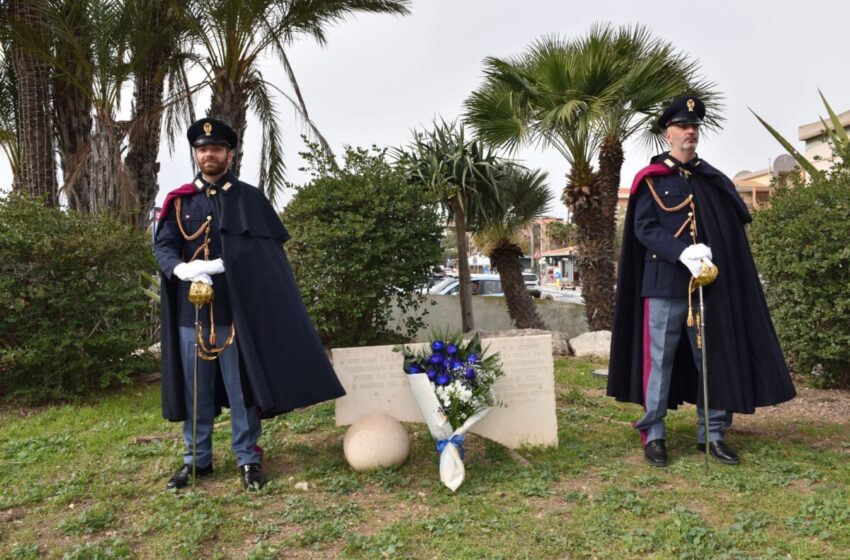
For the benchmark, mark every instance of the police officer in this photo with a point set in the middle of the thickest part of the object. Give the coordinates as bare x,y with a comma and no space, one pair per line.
256,350
682,215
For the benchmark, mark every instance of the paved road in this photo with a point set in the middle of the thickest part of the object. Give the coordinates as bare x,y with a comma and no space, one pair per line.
562,295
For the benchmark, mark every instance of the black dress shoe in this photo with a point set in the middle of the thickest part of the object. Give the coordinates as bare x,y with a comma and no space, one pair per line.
181,477
252,476
720,451
655,453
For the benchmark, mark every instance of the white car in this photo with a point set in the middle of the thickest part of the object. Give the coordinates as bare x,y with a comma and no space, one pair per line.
482,285
438,286
532,284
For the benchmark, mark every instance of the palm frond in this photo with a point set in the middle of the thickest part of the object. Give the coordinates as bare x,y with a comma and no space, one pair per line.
272,168
312,17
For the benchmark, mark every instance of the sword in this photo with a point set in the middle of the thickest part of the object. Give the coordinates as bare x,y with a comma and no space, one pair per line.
199,294
707,275
195,397
701,346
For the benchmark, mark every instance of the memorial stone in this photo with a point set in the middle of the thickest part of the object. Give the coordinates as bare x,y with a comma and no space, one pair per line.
525,413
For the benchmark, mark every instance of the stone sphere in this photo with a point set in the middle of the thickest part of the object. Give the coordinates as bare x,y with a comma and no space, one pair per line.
375,441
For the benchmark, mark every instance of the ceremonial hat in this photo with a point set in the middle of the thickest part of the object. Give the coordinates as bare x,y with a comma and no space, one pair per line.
211,131
684,110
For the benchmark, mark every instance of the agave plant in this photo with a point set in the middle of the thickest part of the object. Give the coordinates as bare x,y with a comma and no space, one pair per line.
834,130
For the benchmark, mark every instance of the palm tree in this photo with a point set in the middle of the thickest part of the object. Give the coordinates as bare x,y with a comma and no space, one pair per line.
584,98
36,171
158,52
235,34
98,47
462,175
92,65
8,104
523,197
559,233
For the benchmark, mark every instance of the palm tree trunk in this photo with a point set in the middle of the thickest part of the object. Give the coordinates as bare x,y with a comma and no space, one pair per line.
37,172
505,257
595,241
230,104
464,278
608,185
144,135
73,114
112,191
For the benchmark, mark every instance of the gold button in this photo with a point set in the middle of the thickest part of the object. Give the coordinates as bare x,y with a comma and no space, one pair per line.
209,218
666,192
690,214
654,256
212,192
187,216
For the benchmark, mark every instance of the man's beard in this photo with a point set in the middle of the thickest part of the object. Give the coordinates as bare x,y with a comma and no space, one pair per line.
213,167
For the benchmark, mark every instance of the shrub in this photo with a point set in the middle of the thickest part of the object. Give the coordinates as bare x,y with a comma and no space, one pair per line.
71,306
363,240
800,247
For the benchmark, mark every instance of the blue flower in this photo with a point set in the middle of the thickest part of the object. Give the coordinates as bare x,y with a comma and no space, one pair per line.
470,373
435,359
443,379
413,368
472,359
451,349
432,375
437,345
455,364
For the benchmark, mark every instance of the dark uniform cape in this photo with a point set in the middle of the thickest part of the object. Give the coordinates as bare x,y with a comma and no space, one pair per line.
283,363
746,367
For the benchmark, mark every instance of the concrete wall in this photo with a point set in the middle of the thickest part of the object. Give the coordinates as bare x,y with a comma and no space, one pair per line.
491,314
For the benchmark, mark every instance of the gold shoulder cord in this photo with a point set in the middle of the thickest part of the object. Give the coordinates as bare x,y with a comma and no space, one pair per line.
204,352
692,222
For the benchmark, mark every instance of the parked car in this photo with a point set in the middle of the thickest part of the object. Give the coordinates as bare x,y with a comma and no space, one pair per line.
438,285
532,284
482,285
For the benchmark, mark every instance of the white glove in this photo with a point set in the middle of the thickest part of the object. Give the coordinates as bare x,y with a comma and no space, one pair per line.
696,266
216,266
190,270
204,278
695,253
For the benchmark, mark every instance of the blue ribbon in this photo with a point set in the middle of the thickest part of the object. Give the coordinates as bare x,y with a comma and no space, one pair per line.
456,440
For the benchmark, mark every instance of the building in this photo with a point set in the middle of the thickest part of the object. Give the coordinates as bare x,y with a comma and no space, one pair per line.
755,187
814,135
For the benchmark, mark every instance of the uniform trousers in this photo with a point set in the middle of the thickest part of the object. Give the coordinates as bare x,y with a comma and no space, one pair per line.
244,420
665,321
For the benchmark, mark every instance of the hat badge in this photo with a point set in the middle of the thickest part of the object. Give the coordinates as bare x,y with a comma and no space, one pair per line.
207,128
691,104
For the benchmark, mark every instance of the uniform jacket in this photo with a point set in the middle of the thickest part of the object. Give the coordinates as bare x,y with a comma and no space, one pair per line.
746,368
656,229
282,360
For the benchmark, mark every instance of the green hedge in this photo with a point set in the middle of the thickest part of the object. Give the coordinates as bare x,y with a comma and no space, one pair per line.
801,248
72,311
363,240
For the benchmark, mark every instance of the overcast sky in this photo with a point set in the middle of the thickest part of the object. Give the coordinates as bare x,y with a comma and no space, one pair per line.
379,77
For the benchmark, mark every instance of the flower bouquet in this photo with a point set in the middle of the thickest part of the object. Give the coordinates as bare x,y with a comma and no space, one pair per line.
452,382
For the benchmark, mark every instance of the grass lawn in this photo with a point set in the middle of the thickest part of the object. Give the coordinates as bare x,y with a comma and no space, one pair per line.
77,484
